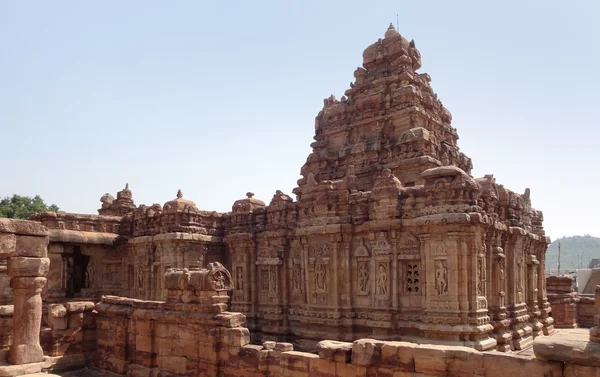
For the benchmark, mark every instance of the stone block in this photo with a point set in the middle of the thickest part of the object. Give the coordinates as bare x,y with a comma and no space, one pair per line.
250,357
366,352
28,267
32,246
295,363
80,306
399,355
236,337
269,345
340,352
579,351
75,320
283,347
430,359
172,364
575,370
8,245
22,227
322,367
350,370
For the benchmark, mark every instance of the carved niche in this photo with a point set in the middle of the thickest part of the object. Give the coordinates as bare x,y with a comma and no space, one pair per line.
269,257
382,254
319,258
363,268
439,276
297,272
409,257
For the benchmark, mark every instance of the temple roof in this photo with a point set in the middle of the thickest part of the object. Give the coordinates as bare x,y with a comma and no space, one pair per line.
180,205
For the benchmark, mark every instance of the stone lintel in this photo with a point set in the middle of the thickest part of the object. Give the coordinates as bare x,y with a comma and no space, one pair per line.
177,236
319,229
22,227
76,236
438,219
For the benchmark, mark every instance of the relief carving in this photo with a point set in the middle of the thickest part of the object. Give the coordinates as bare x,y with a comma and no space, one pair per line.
320,278
441,277
382,246
297,278
363,277
240,278
382,280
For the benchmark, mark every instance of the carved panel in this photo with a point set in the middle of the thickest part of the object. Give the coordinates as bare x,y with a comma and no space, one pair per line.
382,246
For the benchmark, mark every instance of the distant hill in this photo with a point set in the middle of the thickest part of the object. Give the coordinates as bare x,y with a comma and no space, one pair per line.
575,252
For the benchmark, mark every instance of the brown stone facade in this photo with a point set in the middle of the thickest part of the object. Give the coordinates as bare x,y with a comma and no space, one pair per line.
389,236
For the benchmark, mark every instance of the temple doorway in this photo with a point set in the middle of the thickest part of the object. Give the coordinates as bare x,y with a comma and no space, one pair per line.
76,266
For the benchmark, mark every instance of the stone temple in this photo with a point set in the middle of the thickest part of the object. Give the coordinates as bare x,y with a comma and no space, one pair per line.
389,238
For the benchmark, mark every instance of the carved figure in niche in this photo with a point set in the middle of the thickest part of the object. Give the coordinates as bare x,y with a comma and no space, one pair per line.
89,275
220,280
140,277
501,276
441,277
240,279
297,278
363,277
535,277
273,280
320,275
382,279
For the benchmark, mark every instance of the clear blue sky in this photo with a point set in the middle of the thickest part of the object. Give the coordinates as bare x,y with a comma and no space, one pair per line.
219,98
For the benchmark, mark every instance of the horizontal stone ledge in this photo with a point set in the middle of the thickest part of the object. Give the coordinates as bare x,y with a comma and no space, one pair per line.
319,229
22,227
7,310
76,236
438,219
176,236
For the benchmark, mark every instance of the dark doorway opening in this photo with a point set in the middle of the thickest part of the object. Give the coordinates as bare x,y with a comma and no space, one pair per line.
77,279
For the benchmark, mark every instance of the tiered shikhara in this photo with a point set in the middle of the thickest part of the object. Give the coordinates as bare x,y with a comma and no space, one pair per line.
390,236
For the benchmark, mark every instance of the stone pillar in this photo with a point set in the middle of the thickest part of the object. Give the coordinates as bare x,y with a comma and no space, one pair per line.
27,318
25,244
563,300
595,331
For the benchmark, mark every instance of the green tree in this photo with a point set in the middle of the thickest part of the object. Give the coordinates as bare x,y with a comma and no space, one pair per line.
21,207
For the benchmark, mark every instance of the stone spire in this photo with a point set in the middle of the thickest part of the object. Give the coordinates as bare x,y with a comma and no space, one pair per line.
119,207
389,118
391,31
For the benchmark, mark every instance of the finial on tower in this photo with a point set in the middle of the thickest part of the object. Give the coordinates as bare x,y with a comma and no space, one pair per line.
391,31
179,194
126,186
249,194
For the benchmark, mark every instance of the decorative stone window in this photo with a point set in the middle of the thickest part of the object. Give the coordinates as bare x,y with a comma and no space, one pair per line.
412,282
264,279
